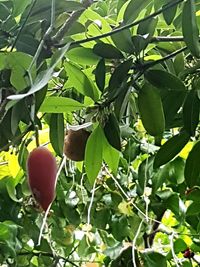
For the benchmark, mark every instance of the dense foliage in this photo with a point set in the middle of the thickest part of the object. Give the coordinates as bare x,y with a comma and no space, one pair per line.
129,71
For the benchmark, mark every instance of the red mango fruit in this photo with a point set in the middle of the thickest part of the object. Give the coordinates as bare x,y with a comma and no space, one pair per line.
42,169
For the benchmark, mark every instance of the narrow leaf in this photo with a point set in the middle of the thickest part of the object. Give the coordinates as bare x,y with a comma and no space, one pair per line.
57,133
171,148
169,14
154,259
119,75
190,28
81,82
55,104
151,110
100,74
112,131
191,110
107,51
123,41
163,79
82,55
111,156
192,166
134,8
94,154
43,77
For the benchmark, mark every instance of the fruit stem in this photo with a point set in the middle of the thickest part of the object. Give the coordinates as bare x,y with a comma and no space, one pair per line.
37,136
43,225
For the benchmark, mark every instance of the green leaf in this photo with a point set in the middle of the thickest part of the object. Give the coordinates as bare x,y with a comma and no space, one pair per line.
18,63
145,172
193,209
174,100
27,44
119,227
121,101
172,172
191,110
56,133
169,14
17,113
190,28
43,77
123,41
10,186
194,195
192,166
100,74
81,82
163,79
179,245
40,96
7,230
82,55
111,156
5,12
107,51
147,27
23,154
154,259
19,6
112,131
119,75
132,150
151,110
58,104
133,10
172,91
139,43
179,63
171,148
94,154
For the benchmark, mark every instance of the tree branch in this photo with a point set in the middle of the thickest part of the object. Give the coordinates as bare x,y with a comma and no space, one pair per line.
127,26
152,63
15,140
23,25
163,39
67,25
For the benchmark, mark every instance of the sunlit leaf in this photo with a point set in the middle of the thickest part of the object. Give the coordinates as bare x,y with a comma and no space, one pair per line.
81,82
192,166
94,154
57,133
55,104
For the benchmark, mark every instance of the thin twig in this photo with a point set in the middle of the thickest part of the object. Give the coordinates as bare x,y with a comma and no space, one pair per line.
127,26
153,63
68,24
46,35
23,25
176,260
91,203
134,243
129,199
16,139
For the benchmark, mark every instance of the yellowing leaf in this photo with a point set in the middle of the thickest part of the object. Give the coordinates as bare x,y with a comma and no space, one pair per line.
13,164
4,171
186,150
125,208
